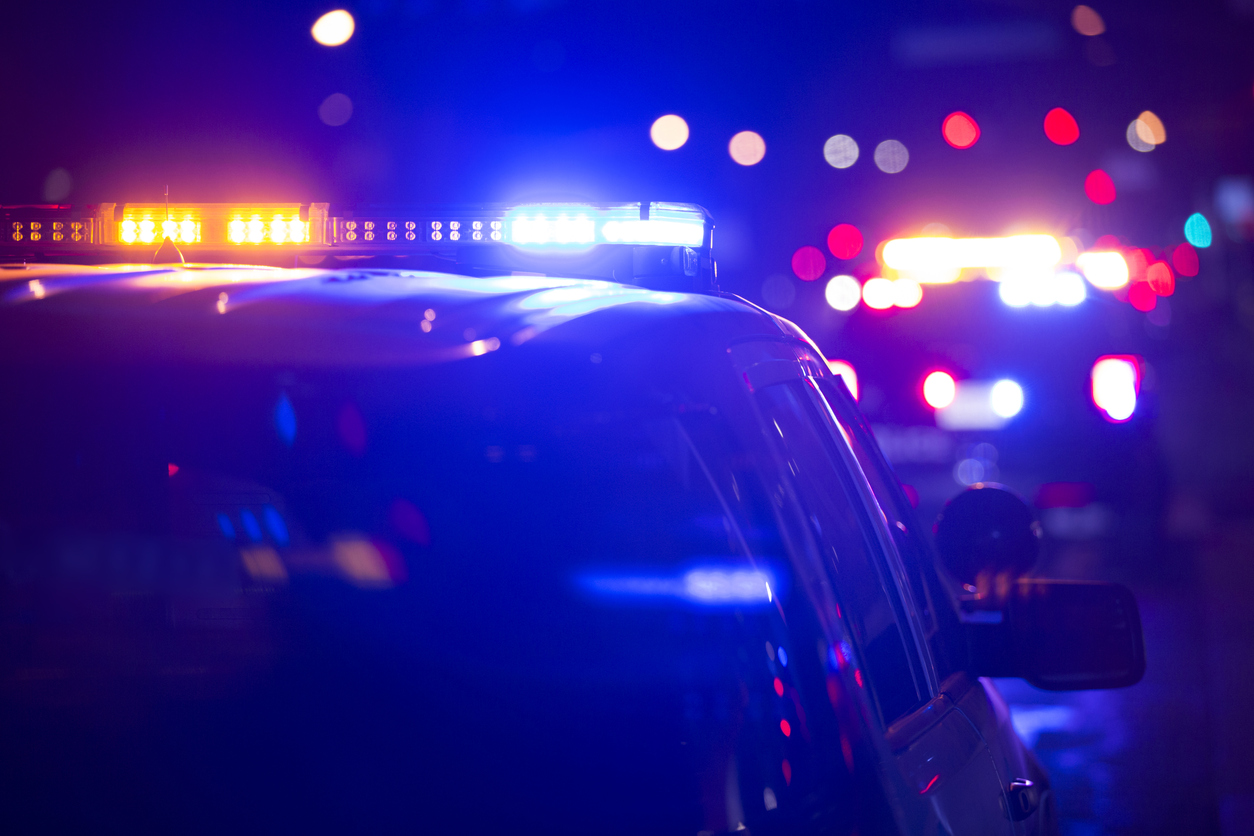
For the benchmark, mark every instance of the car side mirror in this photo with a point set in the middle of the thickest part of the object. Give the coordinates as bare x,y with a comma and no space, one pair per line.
1059,636
987,536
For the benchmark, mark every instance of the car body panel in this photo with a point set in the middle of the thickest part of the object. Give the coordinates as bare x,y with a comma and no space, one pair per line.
269,318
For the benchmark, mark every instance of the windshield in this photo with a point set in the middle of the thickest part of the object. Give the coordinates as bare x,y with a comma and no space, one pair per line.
462,598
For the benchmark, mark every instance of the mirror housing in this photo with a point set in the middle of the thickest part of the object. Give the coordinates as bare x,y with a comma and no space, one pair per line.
986,533
1059,636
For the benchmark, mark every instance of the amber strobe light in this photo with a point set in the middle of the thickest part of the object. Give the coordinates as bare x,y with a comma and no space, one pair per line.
218,223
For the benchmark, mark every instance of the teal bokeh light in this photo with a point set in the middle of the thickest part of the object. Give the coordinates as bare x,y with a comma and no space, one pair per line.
1197,230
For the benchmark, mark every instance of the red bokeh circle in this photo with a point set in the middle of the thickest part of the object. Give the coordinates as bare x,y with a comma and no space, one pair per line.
808,263
1161,280
845,241
1142,296
1184,259
960,130
1061,127
1099,187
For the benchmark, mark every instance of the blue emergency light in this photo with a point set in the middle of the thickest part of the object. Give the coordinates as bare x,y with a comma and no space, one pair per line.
566,225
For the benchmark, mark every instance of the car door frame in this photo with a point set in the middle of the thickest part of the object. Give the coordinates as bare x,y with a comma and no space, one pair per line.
931,734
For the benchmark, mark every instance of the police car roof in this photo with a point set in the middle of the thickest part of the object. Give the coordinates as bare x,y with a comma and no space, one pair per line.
267,315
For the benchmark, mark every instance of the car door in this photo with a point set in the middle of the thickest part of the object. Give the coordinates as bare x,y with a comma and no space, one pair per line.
938,752
979,700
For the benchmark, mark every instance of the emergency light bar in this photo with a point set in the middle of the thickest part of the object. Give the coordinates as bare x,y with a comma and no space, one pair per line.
623,241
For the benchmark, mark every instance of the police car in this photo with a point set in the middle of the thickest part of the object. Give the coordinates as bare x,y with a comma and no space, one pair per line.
492,520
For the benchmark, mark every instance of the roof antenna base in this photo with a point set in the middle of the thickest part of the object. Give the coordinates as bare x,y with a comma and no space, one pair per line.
167,253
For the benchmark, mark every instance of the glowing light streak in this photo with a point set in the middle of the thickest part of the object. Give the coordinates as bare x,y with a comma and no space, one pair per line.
1042,289
703,585
686,233
583,226
1108,271
936,259
981,405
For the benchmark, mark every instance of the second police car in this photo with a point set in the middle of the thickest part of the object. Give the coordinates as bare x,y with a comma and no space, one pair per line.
527,530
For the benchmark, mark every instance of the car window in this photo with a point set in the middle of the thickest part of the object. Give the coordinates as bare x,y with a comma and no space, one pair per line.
917,563
880,623
485,602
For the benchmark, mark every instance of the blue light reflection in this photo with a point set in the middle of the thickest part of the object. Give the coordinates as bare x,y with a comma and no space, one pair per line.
712,586
278,528
285,419
251,526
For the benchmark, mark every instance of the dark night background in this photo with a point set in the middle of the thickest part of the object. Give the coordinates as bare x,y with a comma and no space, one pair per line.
458,101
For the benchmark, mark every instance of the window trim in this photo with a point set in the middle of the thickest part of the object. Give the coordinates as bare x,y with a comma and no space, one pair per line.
763,362
891,556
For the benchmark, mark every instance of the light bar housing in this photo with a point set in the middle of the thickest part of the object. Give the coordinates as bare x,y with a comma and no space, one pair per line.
662,245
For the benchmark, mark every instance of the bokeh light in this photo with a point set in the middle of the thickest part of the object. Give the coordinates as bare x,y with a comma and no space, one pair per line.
1099,187
1138,262
1142,297
845,241
808,263
1061,127
1134,137
57,185
1006,398
939,389
1197,230
335,110
333,28
960,130
1184,259
1116,379
907,293
848,375
669,132
1015,292
937,259
1160,279
840,151
843,293
891,156
878,294
1086,21
1150,128
747,148
1105,270
1042,290
1069,288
